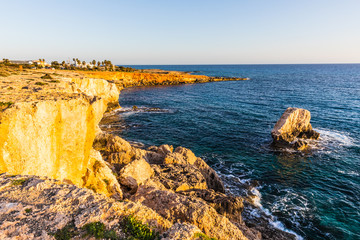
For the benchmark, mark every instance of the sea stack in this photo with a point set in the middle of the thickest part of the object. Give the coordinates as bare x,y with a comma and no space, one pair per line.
293,128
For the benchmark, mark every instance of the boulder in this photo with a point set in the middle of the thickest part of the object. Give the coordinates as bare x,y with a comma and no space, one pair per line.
100,178
116,150
293,128
135,173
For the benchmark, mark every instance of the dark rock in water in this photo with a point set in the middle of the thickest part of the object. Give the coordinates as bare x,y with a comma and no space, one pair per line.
293,128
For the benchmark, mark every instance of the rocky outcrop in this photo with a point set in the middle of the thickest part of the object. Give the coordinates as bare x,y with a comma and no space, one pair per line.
179,208
131,79
180,187
293,128
34,207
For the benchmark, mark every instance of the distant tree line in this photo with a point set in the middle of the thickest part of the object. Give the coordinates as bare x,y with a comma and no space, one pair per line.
77,64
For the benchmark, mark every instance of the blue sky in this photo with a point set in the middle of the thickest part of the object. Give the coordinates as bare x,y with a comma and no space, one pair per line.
182,32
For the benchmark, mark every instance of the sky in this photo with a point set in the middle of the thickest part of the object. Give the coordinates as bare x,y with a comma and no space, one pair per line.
182,32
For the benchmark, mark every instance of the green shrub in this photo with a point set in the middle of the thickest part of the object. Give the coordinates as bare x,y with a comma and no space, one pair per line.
18,182
138,230
99,231
47,76
40,83
4,105
28,210
202,236
66,233
95,229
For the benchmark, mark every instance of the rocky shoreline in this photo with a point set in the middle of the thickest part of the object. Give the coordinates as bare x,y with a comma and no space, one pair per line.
103,180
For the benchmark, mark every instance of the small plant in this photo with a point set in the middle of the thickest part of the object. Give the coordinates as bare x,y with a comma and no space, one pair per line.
106,181
66,233
47,76
97,165
18,182
28,210
40,83
54,81
4,105
10,88
91,187
139,230
99,231
202,236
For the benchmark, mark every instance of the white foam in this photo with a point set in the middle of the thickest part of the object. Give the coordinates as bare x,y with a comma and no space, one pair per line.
351,173
275,223
280,225
336,137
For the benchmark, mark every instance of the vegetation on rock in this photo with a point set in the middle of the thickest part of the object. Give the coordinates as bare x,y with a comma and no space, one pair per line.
98,230
138,230
202,236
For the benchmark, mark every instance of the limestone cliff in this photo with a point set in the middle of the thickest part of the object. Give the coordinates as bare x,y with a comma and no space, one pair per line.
52,136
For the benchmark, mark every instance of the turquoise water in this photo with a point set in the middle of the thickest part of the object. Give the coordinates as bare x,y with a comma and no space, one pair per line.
317,194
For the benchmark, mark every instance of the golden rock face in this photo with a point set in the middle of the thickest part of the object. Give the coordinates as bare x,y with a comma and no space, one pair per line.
53,137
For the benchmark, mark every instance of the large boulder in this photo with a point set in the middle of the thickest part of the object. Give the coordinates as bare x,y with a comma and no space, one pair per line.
135,173
100,178
293,128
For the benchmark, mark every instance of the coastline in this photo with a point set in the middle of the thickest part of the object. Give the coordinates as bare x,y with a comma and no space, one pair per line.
140,172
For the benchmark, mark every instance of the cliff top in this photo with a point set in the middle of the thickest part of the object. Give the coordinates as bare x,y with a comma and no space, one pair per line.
33,85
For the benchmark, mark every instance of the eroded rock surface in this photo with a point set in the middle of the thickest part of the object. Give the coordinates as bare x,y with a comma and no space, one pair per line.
34,207
293,128
180,187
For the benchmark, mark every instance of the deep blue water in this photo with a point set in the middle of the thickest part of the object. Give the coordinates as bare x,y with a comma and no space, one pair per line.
316,195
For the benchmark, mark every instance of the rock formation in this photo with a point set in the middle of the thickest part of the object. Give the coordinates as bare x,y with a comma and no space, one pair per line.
293,128
180,187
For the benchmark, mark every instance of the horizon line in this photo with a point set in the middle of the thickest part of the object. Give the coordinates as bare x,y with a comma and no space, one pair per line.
209,64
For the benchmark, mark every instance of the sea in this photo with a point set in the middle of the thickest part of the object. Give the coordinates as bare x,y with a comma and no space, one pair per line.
315,194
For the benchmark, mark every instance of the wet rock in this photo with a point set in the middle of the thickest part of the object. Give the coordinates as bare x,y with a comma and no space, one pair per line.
292,128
